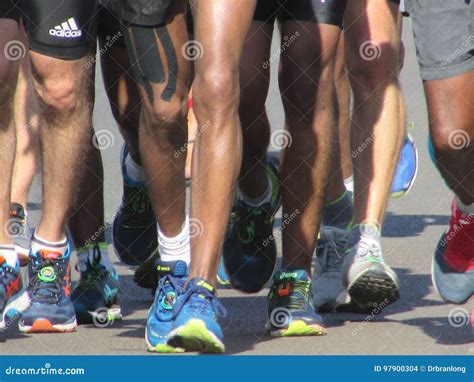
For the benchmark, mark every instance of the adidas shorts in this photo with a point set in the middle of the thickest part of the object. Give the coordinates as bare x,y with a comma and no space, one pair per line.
60,28
145,13
328,12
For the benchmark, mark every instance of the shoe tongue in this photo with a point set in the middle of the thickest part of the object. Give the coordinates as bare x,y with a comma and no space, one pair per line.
201,284
17,210
49,255
294,274
174,268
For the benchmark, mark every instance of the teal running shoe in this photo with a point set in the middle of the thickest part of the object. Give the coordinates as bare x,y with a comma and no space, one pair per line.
195,326
290,306
172,276
96,295
249,247
223,278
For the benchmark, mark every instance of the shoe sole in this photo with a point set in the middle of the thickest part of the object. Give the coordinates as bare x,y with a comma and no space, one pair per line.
161,348
194,336
300,328
14,309
43,325
370,291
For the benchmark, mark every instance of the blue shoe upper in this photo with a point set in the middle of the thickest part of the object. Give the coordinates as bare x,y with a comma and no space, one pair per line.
10,283
407,167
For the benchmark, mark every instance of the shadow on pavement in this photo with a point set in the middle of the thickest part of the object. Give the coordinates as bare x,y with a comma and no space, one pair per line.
411,225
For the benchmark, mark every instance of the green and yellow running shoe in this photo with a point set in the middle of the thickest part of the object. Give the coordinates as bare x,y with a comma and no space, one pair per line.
290,306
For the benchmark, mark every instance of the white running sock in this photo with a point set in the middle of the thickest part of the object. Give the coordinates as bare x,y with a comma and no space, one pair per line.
38,244
9,254
257,202
134,170
349,183
466,208
175,248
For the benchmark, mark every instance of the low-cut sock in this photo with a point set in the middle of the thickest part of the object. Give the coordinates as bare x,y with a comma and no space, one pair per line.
7,251
175,248
39,244
133,170
466,208
87,252
363,231
339,213
349,183
266,197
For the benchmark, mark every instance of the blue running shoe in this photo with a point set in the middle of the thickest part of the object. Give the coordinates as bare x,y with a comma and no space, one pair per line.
249,248
49,286
407,168
223,278
172,276
290,306
13,298
96,295
134,229
196,327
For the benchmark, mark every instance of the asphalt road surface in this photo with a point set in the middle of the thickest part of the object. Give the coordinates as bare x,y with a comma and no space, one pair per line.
419,323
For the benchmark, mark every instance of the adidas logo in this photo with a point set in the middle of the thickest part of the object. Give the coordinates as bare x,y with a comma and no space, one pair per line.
67,29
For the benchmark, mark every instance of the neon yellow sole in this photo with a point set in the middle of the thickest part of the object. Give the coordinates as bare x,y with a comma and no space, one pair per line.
300,328
194,336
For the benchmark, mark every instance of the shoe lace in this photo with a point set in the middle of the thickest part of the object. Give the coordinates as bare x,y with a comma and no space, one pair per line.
297,297
169,288
93,272
45,291
331,256
200,300
368,250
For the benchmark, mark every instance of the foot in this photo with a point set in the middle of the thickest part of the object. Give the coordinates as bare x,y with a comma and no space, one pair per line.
328,291
134,227
290,306
13,298
196,327
370,282
172,276
453,261
20,231
249,248
407,168
96,295
49,285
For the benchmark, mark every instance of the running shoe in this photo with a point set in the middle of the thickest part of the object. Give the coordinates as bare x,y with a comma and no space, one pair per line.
328,291
172,276
49,286
145,275
13,298
96,295
370,282
453,261
134,228
195,327
249,248
407,168
290,306
20,231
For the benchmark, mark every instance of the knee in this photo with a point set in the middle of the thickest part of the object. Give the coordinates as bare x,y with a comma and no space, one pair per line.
60,98
216,92
163,114
448,137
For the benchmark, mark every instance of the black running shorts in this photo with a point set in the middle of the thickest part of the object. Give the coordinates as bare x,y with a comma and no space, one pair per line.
327,12
10,9
140,12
